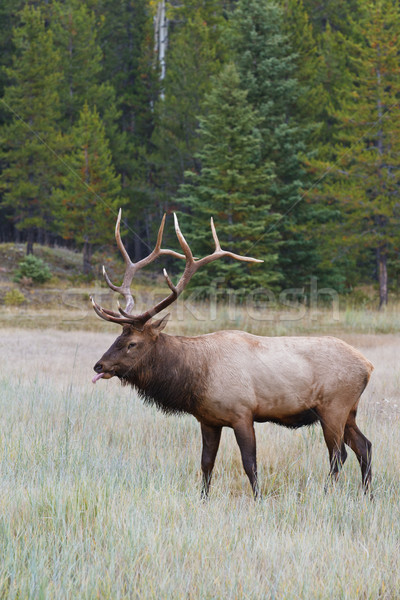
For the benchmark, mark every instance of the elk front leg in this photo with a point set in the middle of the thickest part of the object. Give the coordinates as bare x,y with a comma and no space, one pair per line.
246,439
211,437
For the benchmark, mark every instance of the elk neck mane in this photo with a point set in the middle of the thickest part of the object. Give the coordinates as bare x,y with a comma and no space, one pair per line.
172,375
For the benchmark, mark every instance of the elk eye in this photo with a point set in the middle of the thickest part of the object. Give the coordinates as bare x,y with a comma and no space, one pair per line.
131,345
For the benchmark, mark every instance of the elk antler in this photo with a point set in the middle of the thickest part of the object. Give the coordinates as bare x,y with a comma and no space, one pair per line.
192,265
130,271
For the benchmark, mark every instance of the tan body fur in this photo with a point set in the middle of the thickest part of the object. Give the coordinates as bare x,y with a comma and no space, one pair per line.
259,378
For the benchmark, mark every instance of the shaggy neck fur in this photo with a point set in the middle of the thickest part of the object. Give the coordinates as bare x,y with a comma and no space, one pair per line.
171,375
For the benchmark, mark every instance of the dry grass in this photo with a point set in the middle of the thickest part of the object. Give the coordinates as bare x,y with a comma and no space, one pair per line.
70,309
100,495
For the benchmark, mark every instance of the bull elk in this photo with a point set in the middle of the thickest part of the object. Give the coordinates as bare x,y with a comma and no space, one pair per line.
232,378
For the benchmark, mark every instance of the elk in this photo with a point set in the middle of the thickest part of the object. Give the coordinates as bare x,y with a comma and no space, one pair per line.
232,378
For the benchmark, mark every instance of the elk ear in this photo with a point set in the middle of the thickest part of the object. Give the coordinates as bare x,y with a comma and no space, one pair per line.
159,325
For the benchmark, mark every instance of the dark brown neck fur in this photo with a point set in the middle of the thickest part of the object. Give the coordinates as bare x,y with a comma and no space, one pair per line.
172,375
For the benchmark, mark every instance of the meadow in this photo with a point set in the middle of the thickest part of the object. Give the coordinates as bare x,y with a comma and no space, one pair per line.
100,495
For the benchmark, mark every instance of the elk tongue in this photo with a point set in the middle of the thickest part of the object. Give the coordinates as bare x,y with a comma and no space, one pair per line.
97,377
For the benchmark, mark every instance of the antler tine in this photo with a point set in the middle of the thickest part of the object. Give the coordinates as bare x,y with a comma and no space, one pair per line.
109,282
158,251
184,245
160,234
131,267
214,234
169,282
108,315
219,253
120,245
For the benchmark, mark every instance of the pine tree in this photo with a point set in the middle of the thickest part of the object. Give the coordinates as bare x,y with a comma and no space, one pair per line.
195,52
231,186
267,67
8,9
76,32
90,194
364,181
31,141
124,37
129,63
334,14
311,104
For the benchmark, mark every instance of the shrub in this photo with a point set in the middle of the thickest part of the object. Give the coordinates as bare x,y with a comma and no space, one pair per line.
34,268
14,298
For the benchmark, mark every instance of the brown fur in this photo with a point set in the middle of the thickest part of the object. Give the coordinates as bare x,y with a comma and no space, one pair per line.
168,377
231,378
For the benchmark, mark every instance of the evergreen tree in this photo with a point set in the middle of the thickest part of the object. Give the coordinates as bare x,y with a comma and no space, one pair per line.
129,64
337,15
75,31
364,181
312,101
90,194
231,186
267,67
125,38
195,52
8,10
30,141
74,28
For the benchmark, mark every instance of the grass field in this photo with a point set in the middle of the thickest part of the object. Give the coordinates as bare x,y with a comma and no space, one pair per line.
100,495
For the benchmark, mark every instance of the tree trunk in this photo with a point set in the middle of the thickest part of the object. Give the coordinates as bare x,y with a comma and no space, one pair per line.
383,277
29,241
161,39
87,257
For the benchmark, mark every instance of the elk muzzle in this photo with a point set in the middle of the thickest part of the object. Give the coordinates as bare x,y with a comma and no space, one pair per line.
101,373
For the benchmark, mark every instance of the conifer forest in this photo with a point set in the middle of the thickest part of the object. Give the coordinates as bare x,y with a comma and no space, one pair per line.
278,118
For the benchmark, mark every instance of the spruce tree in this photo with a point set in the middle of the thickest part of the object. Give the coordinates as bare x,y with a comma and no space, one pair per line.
267,67
30,141
364,172
312,101
8,19
231,186
336,15
129,62
195,52
76,31
90,195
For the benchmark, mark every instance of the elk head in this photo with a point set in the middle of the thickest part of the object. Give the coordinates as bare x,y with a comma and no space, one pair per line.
140,333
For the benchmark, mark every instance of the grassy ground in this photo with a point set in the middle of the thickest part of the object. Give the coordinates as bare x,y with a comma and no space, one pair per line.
71,310
63,303
100,495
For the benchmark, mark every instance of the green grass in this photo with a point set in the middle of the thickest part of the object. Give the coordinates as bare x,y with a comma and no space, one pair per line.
100,494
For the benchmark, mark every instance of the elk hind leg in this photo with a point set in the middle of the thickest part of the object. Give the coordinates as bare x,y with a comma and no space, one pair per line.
334,439
246,439
362,448
211,437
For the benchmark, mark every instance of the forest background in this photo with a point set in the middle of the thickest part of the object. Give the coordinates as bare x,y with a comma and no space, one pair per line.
279,119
